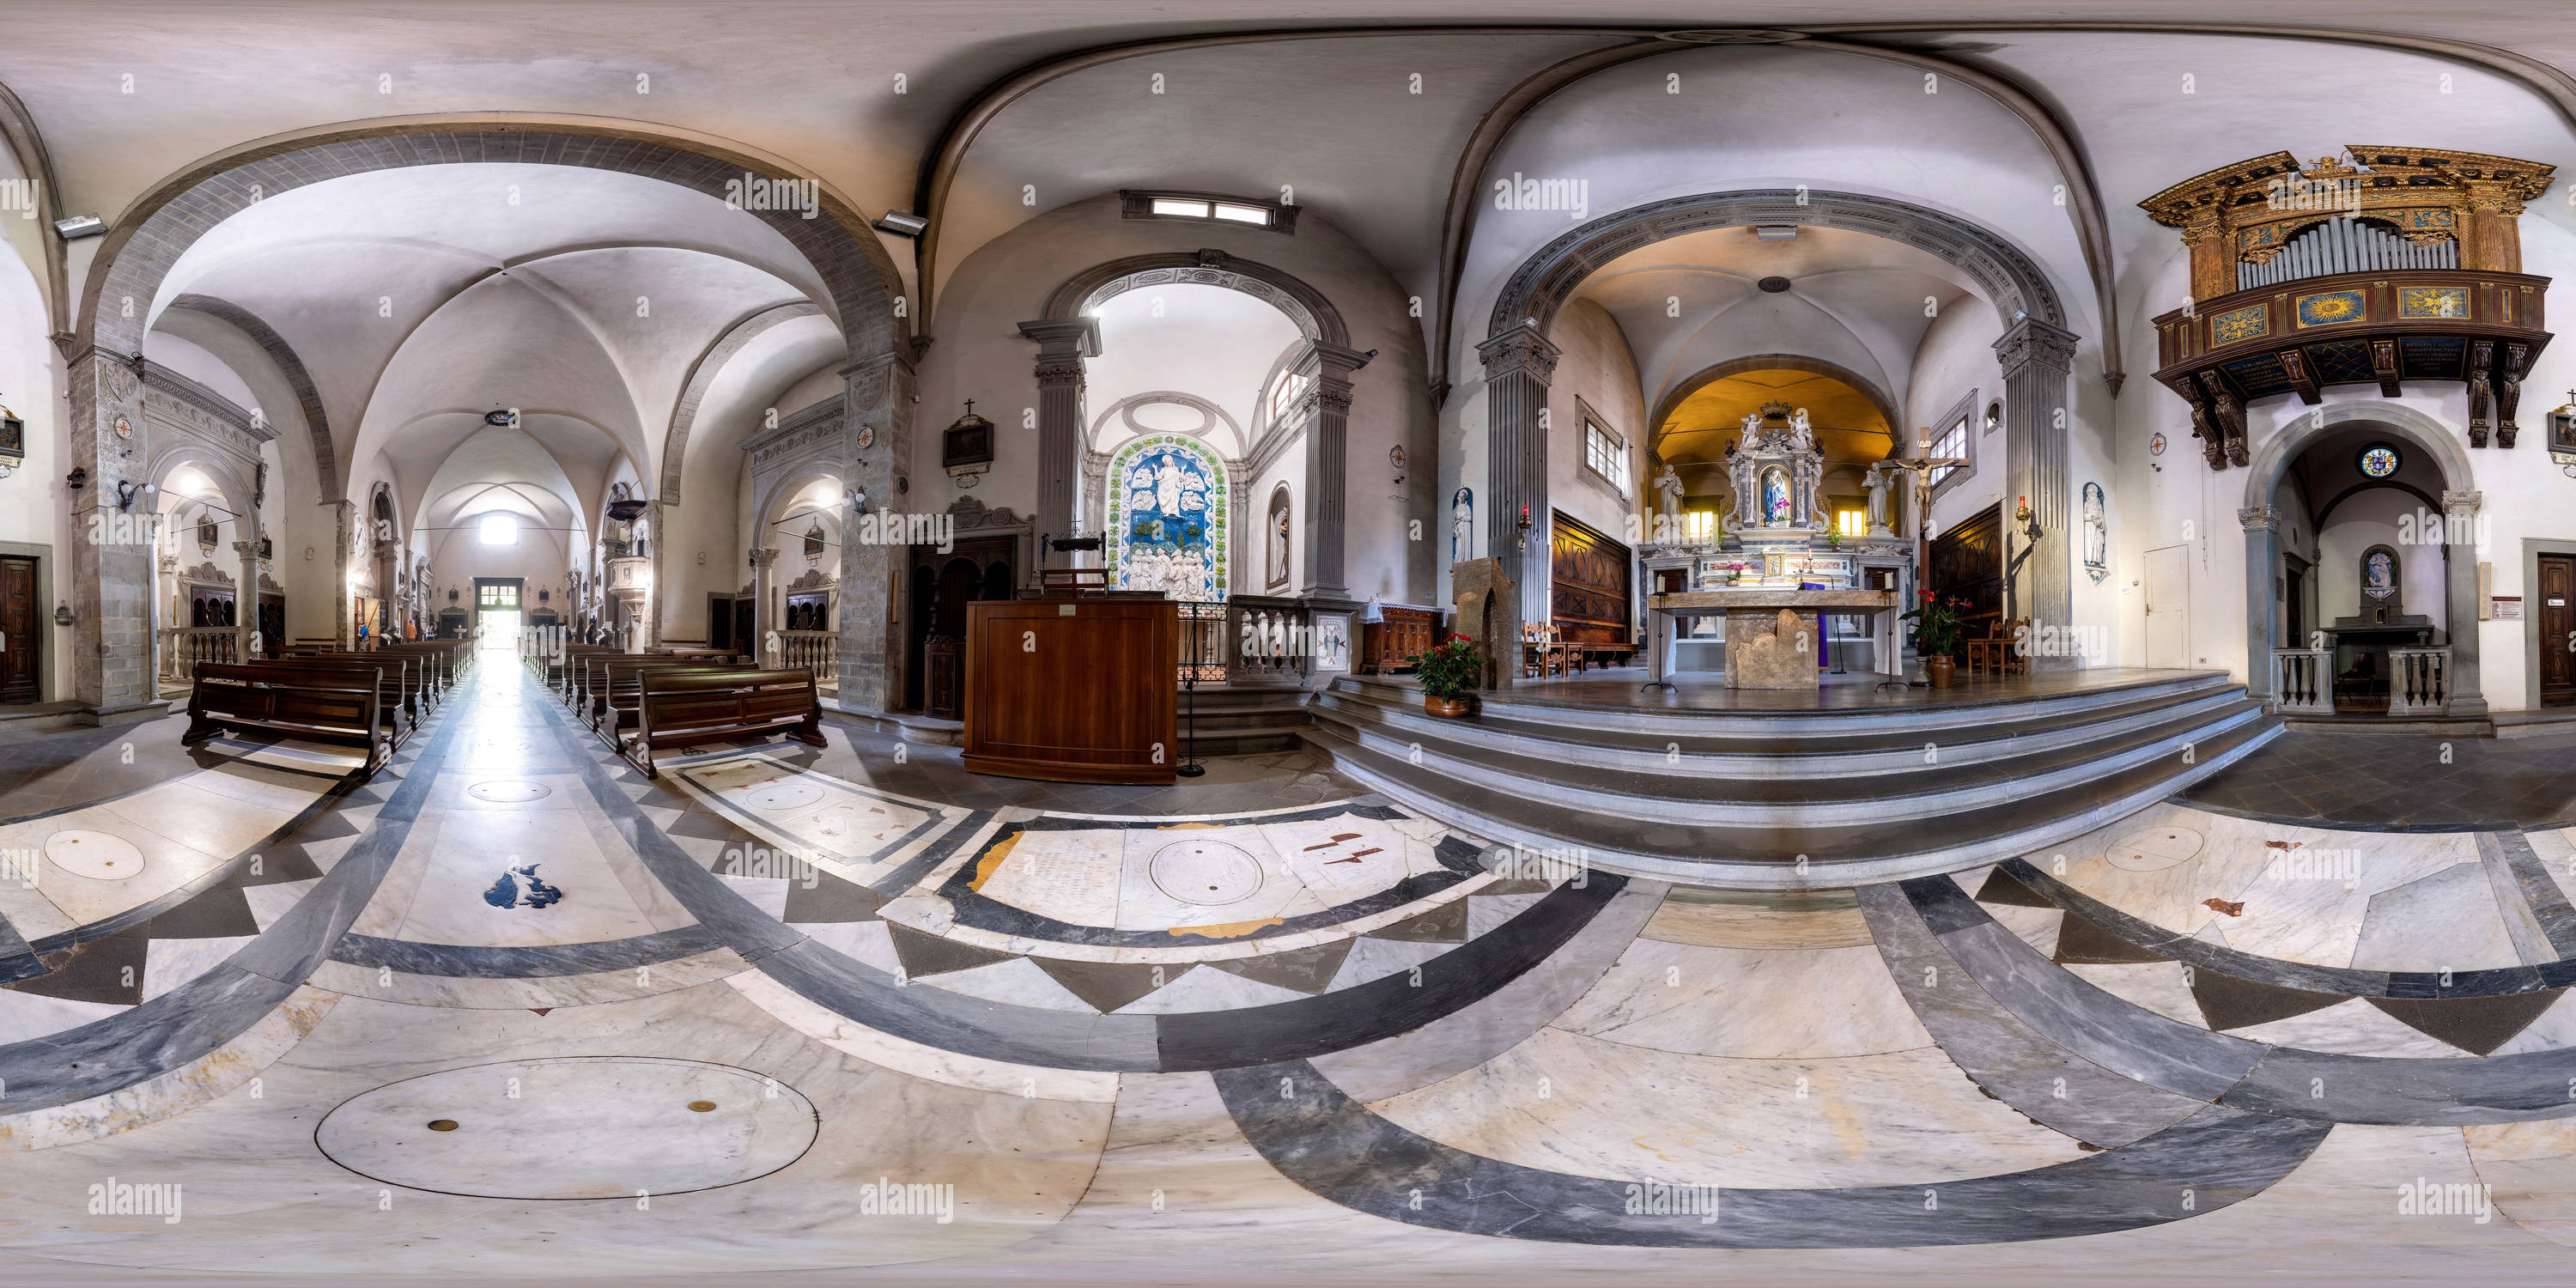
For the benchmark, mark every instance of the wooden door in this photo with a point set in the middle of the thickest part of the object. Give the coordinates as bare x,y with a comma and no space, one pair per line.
2555,606
2169,608
2294,602
21,637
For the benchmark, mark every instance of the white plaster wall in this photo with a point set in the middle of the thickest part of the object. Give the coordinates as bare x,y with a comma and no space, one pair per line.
35,504
1958,358
2371,518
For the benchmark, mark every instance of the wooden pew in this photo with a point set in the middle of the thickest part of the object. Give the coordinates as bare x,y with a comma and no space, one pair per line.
614,684
453,658
564,672
406,680
687,708
322,701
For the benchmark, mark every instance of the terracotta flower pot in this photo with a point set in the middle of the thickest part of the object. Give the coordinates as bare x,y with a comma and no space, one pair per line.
1450,708
1940,669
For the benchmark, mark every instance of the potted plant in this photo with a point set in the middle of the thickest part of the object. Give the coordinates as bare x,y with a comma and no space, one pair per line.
1936,635
1448,672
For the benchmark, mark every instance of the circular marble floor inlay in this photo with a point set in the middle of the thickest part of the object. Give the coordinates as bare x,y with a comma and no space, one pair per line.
783,795
2154,849
509,791
96,855
1205,872
579,1127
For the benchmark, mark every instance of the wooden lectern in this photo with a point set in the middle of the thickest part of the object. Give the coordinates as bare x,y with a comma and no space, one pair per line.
1073,689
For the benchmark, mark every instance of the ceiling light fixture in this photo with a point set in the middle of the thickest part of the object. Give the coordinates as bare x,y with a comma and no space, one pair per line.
1776,232
902,223
79,226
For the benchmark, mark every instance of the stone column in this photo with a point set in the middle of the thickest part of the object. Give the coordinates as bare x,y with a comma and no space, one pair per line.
1518,365
111,550
246,596
878,395
2036,358
2262,563
1062,345
1327,369
2460,604
763,619
343,612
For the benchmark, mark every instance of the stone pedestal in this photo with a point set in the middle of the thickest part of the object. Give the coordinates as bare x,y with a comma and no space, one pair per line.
1771,650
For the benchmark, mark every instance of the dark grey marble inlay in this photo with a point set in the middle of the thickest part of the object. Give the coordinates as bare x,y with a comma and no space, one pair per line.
1340,1150
2013,1063
471,961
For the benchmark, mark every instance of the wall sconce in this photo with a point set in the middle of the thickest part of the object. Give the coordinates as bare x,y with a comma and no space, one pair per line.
62,614
78,478
124,494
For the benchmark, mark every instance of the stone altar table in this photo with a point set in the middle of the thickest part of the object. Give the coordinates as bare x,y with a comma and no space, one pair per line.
1771,633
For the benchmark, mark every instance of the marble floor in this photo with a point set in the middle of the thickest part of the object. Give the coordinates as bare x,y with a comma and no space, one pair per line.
507,1012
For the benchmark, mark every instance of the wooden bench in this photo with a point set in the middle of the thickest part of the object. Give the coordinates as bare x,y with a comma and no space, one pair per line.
563,673
447,661
614,686
689,708
325,702
406,679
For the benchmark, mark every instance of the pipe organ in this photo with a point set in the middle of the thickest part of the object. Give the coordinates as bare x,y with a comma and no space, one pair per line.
2382,265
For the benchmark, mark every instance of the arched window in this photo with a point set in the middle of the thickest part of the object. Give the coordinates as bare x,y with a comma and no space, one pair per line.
1167,518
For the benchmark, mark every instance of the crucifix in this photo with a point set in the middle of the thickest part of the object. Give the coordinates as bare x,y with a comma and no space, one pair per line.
1922,467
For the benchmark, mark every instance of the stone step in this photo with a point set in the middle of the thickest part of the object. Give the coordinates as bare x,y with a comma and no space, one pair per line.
1879,751
1953,716
1689,792
1786,857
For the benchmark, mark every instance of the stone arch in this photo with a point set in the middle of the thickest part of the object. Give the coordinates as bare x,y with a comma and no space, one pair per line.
1315,316
136,257
2036,351
290,365
1066,335
1211,416
2262,523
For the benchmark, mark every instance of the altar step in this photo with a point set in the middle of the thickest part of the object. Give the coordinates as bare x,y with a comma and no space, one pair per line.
1735,798
1247,720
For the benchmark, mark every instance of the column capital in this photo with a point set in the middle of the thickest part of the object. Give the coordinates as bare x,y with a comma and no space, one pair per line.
1064,337
763,557
2462,502
1521,350
2260,518
2031,342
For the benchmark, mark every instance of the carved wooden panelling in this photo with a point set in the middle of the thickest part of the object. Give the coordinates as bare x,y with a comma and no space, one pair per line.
1591,580
1968,562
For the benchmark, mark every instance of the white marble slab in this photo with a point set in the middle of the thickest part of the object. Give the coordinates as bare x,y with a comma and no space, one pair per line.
2352,1027
168,963
1205,988
2445,921
1017,982
24,1016
1596,1108
919,1061
2161,987
1748,1003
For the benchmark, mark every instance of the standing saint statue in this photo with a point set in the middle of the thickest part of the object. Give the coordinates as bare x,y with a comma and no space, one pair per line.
1462,525
1668,490
1877,482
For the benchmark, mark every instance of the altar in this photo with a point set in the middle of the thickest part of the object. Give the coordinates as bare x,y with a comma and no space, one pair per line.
1777,572
1772,634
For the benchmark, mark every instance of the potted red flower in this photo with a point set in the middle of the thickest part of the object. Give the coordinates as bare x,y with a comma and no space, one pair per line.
1936,636
1448,672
